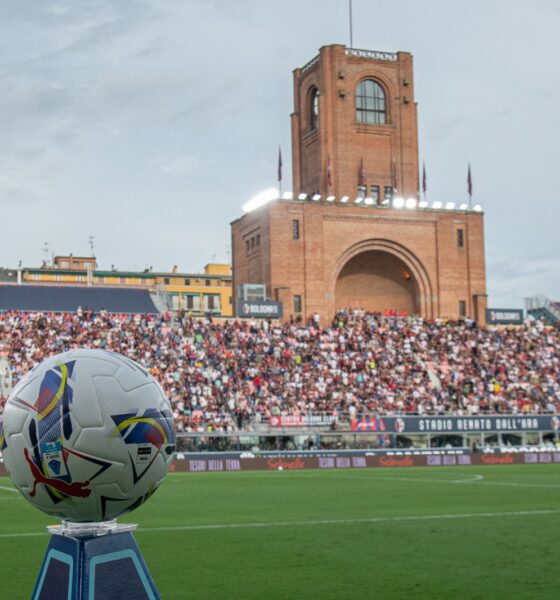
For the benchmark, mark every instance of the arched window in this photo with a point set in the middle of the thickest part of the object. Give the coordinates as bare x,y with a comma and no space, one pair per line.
370,103
313,108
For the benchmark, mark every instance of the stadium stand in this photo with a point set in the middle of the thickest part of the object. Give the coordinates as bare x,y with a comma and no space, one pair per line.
232,375
69,298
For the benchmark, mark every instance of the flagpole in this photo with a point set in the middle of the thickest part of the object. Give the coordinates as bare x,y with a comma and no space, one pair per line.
279,172
424,182
469,186
350,15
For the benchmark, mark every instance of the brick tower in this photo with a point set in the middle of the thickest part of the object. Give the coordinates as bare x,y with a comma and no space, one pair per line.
354,125
354,233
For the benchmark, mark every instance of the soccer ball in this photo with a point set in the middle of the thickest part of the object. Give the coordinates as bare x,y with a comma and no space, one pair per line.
87,435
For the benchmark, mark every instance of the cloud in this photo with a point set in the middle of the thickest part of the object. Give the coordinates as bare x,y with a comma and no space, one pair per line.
522,277
177,166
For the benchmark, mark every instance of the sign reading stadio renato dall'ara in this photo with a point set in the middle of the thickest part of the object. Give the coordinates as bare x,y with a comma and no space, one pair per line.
457,425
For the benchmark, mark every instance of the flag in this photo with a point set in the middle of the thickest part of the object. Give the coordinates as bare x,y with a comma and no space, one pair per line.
329,175
279,163
469,181
361,174
424,180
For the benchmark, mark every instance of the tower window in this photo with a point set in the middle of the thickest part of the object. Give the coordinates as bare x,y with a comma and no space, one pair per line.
460,238
370,103
462,308
314,108
297,303
375,194
295,229
387,195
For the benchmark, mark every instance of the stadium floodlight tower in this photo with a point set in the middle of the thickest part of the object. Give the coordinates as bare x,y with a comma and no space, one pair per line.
87,436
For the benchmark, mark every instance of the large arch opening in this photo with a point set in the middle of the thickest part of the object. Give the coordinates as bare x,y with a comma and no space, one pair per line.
377,280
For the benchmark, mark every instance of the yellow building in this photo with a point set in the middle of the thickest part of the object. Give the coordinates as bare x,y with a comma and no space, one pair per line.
198,293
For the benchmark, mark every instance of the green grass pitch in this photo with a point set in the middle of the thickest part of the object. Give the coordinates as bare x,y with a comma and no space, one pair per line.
465,533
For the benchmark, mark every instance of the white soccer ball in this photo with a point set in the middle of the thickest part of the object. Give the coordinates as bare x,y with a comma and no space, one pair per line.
87,435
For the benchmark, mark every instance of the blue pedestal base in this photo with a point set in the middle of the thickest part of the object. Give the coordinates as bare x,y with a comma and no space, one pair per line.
107,567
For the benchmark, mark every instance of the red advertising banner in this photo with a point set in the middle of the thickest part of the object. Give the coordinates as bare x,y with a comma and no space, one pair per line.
300,420
367,460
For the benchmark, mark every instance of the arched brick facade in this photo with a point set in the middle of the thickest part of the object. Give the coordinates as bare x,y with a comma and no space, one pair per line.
414,294
304,271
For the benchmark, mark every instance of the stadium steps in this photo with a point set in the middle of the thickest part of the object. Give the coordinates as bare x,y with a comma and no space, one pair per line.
540,307
5,377
161,299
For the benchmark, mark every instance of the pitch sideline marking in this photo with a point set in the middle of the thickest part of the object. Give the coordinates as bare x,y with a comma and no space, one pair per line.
8,489
451,516
471,479
352,521
478,481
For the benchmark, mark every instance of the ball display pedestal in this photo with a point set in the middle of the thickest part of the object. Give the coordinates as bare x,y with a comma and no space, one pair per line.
94,561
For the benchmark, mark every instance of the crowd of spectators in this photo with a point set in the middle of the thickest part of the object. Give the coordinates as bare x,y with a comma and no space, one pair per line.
230,375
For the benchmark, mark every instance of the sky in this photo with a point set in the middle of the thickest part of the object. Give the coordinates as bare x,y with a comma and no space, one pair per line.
148,124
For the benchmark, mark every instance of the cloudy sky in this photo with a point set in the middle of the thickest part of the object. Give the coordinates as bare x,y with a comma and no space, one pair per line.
148,124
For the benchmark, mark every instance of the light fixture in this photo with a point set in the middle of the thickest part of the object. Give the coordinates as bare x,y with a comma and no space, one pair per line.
368,201
302,196
330,198
359,200
450,206
411,203
437,205
463,206
316,197
477,208
398,202
344,199
287,196
422,204
260,199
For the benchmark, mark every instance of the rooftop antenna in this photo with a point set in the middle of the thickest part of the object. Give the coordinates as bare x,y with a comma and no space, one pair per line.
91,246
350,18
46,252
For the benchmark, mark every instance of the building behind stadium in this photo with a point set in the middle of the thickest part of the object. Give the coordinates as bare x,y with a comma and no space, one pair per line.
207,293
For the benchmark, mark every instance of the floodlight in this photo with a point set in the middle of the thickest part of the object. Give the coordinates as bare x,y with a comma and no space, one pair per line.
260,199
450,206
330,198
398,202
287,196
477,208
411,203
368,201
422,204
359,200
437,205
316,197
463,206
302,196
344,199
